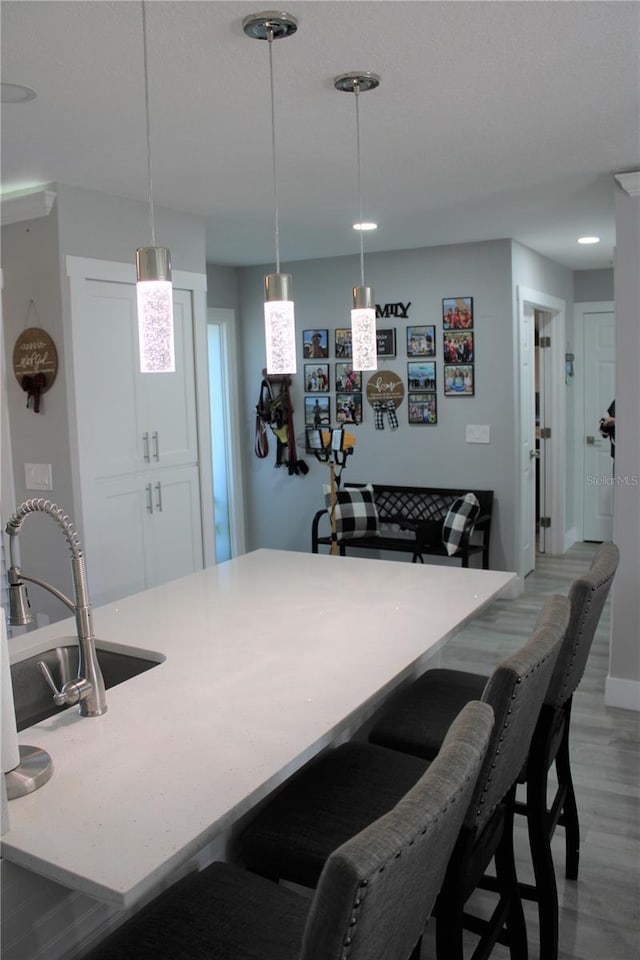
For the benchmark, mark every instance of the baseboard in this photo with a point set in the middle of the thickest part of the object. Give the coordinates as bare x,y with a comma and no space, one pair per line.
622,693
513,590
570,537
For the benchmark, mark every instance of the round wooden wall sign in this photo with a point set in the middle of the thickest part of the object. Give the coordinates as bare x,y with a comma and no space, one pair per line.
385,385
35,352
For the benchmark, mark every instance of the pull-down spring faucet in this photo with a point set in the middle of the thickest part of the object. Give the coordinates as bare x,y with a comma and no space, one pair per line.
88,687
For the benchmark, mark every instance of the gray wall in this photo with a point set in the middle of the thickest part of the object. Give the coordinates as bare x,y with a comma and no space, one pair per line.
625,646
592,285
31,271
280,507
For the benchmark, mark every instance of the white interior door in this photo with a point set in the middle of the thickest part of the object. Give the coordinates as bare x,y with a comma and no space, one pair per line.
599,391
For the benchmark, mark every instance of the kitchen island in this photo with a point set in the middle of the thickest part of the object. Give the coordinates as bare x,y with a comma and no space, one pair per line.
266,660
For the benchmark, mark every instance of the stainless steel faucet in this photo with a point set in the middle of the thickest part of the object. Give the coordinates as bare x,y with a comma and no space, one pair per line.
88,687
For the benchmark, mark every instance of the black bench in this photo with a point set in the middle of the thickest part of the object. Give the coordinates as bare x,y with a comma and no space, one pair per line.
410,521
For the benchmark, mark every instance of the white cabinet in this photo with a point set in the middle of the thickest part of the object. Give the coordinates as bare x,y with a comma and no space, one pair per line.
138,445
129,420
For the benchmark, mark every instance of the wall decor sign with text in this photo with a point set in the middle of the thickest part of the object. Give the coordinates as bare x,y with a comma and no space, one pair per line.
35,353
383,385
386,343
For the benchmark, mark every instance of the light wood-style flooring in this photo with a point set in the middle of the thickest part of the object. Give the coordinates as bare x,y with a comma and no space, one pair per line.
600,913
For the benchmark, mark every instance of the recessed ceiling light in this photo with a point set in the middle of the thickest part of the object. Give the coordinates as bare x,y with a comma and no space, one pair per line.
365,226
16,93
588,239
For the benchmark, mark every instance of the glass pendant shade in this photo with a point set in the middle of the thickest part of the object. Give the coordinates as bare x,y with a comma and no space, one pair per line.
363,330
155,310
279,324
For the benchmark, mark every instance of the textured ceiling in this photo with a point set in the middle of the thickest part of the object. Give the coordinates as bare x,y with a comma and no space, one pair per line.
493,119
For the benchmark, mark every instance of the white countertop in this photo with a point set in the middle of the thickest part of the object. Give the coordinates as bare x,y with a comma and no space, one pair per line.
268,658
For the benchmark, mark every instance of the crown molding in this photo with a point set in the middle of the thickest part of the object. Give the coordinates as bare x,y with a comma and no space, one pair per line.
630,182
26,206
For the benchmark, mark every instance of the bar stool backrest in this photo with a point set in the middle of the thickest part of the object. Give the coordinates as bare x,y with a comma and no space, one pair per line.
588,595
516,690
378,889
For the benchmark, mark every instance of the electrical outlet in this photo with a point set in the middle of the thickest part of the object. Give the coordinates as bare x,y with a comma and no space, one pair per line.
478,433
37,476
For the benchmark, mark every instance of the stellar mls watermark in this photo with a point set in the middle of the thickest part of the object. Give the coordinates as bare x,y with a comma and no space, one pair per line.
617,480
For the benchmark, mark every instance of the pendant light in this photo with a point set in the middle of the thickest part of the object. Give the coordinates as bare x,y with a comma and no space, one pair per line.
279,318
153,274
363,313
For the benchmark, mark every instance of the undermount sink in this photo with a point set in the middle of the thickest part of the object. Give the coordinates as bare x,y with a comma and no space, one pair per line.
32,697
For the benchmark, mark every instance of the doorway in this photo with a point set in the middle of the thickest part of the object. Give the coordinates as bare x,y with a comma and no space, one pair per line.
551,312
595,389
225,436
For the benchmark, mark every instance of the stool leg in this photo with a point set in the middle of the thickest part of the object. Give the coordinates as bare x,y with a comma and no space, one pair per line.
544,872
569,808
508,886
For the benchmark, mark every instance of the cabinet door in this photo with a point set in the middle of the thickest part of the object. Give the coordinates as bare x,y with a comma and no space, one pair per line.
107,382
118,538
169,398
177,533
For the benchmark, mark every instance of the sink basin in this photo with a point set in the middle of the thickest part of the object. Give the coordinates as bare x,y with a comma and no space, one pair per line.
32,697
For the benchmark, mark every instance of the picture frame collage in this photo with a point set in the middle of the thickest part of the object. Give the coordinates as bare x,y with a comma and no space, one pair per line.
327,369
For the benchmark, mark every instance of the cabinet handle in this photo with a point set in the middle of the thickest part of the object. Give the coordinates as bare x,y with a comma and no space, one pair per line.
159,492
145,443
156,446
149,498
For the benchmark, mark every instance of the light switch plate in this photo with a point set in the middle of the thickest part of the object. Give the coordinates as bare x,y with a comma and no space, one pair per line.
37,476
478,433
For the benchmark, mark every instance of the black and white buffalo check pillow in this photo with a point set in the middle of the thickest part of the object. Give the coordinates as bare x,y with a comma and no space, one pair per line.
356,514
463,509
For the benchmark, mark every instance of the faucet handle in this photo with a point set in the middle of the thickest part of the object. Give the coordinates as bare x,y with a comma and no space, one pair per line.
72,692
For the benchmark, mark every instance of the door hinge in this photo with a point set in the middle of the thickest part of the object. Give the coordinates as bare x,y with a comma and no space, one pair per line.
544,342
545,433
545,521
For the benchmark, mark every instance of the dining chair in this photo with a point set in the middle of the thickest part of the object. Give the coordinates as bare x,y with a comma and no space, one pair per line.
418,719
342,791
372,899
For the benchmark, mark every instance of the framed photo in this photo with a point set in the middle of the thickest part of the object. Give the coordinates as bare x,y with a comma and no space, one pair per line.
316,377
457,313
386,343
348,380
317,411
423,409
348,407
421,376
457,346
315,344
458,380
421,341
343,343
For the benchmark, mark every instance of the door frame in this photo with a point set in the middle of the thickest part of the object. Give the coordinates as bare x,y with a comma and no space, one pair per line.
225,317
579,312
528,300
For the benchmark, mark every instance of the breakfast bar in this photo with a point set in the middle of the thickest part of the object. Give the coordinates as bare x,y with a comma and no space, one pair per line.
262,662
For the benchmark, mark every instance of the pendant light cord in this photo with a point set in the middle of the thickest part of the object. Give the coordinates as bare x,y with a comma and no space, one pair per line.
146,107
273,152
356,90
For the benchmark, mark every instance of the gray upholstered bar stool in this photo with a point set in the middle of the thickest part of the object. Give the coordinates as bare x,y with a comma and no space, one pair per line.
419,718
373,896
341,792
